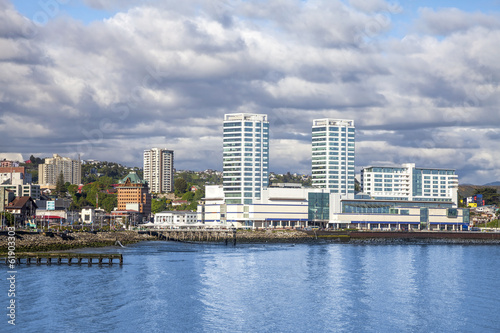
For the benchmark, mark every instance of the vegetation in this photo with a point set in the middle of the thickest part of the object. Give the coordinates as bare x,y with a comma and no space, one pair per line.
7,218
490,195
61,186
158,205
200,179
289,178
91,172
92,194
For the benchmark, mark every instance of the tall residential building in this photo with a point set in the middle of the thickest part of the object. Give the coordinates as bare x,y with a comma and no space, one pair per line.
50,171
407,182
333,155
133,195
159,170
245,157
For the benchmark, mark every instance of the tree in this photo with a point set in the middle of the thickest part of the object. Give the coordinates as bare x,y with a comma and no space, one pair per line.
180,186
8,218
60,186
109,202
490,195
158,205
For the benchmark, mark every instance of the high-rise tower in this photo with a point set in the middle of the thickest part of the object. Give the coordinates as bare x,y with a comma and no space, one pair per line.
245,157
159,170
333,155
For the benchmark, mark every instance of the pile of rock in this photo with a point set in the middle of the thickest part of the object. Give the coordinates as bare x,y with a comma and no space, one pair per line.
272,236
28,242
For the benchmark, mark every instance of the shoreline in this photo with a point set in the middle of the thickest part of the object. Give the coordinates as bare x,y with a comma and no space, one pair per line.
43,242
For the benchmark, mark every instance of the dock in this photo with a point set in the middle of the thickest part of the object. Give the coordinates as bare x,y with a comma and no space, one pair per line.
195,235
48,258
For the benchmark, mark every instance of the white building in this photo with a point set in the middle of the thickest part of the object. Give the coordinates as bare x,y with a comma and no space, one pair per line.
159,170
281,207
175,218
410,183
333,155
24,190
245,157
53,167
363,212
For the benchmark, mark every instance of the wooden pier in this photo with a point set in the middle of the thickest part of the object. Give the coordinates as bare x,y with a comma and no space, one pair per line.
224,236
29,258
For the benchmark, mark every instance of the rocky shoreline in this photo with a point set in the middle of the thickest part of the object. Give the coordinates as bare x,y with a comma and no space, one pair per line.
273,236
35,242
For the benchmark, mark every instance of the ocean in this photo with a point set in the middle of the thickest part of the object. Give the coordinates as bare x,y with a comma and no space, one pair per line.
329,287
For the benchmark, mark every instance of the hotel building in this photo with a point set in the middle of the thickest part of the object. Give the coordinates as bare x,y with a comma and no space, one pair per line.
409,183
333,155
159,170
133,195
245,157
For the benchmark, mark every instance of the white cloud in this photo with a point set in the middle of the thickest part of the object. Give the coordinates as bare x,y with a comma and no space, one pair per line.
164,73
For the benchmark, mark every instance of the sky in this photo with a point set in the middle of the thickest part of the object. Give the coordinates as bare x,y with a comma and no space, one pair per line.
107,79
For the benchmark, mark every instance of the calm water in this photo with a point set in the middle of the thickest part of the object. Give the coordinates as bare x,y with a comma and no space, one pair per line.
175,287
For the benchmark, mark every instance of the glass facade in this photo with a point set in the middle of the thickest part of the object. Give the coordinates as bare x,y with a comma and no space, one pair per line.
318,206
245,156
384,207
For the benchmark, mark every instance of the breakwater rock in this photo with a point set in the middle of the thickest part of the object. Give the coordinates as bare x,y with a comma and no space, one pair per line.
32,241
272,236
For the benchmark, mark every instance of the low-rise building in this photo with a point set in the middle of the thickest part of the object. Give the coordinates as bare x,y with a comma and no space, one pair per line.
409,183
23,209
362,212
280,207
175,218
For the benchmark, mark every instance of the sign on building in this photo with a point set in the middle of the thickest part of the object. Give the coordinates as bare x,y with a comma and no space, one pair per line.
51,205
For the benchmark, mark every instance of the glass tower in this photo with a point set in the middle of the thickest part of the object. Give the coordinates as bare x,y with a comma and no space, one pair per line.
245,157
333,155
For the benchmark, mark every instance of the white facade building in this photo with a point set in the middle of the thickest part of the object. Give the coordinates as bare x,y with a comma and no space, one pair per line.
245,157
159,170
175,218
333,144
410,183
281,207
53,167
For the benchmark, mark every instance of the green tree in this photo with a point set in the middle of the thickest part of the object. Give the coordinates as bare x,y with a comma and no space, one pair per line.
109,202
7,218
60,186
158,205
490,195
180,186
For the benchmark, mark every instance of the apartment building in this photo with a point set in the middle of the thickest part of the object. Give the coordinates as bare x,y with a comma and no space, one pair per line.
245,157
333,144
159,170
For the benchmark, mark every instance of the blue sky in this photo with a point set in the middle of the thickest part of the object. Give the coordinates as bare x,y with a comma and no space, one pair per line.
78,10
107,79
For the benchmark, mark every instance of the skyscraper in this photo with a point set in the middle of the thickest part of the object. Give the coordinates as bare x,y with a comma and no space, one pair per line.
333,155
53,167
245,157
159,170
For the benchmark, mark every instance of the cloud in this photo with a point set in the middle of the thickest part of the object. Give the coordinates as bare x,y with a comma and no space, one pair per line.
163,73
447,21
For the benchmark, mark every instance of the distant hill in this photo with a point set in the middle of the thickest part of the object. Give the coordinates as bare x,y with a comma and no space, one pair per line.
468,190
493,184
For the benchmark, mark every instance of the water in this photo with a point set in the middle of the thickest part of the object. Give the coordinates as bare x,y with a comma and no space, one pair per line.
176,287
